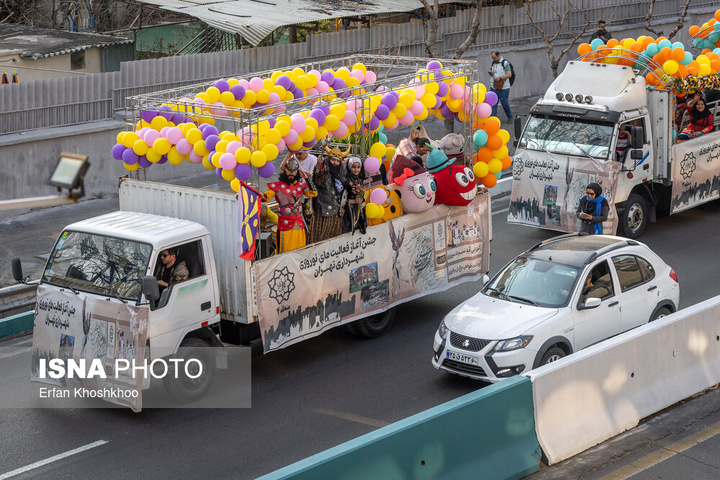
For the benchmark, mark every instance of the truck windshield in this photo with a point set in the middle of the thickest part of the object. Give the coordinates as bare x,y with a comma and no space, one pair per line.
98,264
568,136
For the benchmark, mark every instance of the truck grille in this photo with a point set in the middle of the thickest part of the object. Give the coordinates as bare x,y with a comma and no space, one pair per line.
467,343
463,367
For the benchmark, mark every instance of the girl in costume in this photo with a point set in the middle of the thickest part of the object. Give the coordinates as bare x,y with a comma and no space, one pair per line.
356,185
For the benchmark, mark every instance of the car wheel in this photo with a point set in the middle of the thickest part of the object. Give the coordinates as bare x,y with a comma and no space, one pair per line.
635,217
552,355
662,312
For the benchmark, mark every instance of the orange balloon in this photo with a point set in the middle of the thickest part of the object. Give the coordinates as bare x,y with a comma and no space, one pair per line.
715,65
613,43
678,54
682,70
489,180
693,30
692,71
494,142
492,126
637,47
651,79
584,48
484,154
506,163
647,41
665,54
717,15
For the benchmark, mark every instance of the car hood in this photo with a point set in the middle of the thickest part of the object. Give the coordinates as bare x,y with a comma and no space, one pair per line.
494,319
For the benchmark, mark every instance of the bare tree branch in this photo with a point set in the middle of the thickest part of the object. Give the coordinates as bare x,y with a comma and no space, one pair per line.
648,17
681,20
431,26
474,28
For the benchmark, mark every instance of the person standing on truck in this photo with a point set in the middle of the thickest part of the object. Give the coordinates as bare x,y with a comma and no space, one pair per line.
170,269
290,191
593,210
501,72
329,177
355,187
701,121
601,33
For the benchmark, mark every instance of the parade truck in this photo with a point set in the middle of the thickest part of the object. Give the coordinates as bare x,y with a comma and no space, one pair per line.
99,299
571,138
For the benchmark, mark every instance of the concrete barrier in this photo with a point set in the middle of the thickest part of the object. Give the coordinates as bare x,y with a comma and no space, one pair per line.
16,324
485,434
595,394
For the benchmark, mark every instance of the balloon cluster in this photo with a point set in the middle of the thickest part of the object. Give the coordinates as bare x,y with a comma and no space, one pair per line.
338,103
491,157
707,35
374,208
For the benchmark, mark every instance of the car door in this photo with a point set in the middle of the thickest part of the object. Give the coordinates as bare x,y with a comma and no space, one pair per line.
637,289
593,325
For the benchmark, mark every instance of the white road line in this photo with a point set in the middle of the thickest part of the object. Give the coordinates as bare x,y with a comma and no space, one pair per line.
52,459
16,352
498,212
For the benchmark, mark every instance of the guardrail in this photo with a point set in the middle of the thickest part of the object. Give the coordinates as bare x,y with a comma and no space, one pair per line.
17,298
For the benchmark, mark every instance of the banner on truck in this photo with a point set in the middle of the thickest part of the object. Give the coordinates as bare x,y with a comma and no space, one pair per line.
89,337
547,189
695,172
308,291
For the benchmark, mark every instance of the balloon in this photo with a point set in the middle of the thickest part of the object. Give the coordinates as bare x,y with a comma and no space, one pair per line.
271,151
243,172
596,43
389,100
372,164
117,151
258,159
382,137
372,210
174,135
491,97
227,161
490,180
378,195
298,123
145,163
481,169
140,147
267,170
377,150
382,112
129,157
479,139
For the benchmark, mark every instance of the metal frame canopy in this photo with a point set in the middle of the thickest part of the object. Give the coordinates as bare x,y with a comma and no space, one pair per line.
256,19
393,73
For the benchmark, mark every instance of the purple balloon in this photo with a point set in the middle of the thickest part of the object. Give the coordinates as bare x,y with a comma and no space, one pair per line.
166,112
222,85
178,119
129,157
162,160
309,144
446,112
318,115
374,123
389,101
238,91
442,89
297,93
327,77
433,65
338,84
144,162
266,171
148,115
243,172
117,151
218,172
209,130
438,102
382,112
283,81
491,98
272,122
211,141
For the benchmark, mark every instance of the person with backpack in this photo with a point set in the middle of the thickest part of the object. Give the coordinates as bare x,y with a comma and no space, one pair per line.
502,74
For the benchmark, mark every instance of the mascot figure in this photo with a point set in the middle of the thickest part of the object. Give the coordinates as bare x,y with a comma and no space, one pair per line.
456,184
415,186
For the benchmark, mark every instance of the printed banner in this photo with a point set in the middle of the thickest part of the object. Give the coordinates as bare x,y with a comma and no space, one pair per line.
695,172
248,220
547,189
76,327
307,291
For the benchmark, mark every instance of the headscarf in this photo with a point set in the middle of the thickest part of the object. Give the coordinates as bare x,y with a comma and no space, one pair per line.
351,176
696,114
597,226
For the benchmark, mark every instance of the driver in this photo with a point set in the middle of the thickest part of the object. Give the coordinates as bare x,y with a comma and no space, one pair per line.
170,270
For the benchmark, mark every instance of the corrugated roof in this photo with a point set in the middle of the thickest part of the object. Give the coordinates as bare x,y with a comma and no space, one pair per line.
256,19
34,43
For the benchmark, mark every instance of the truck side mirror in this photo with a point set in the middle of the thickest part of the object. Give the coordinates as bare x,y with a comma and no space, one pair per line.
485,279
17,270
637,137
150,288
518,127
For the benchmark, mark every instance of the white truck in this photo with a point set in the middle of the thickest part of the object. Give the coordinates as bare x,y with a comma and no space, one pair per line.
98,298
571,139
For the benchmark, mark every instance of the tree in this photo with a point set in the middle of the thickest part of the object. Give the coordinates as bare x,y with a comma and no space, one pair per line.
549,40
680,23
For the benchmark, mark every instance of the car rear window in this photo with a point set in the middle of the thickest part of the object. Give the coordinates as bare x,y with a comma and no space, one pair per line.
629,271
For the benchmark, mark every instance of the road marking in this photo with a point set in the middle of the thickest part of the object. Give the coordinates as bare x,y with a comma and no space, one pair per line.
662,454
350,417
17,352
498,212
42,463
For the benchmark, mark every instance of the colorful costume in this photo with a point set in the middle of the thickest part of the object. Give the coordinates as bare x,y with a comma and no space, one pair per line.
415,185
326,222
355,186
291,227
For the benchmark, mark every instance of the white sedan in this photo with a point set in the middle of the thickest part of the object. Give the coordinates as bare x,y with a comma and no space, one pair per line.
560,296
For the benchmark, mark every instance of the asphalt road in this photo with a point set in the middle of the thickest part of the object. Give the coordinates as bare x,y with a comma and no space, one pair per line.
308,397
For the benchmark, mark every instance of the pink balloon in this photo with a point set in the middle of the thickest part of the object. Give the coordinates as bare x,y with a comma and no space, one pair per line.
227,161
194,157
378,195
370,76
297,123
141,133
174,135
341,131
312,92
355,73
381,88
256,84
233,146
372,166
417,108
291,138
456,91
244,83
151,135
274,98
184,147
419,90
353,105
281,145
322,87
198,100
280,109
219,109
350,118
407,119
483,110
163,131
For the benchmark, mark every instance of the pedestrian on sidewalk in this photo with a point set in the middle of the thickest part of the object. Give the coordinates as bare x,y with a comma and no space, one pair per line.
601,33
501,72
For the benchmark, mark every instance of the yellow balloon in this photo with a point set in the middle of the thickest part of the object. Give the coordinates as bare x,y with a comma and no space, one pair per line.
258,159
504,134
215,159
250,97
213,94
704,69
228,175
361,67
407,98
273,136
309,134
175,157
423,115
494,165
321,133
161,145
194,135
400,110
271,152
221,146
378,149
331,123
235,185
263,96
432,88
129,139
131,168
297,71
338,109
671,67
207,164
227,98
153,156
199,148
283,127
158,123
140,147
371,210
500,153
296,146
312,123
480,169
390,151
119,137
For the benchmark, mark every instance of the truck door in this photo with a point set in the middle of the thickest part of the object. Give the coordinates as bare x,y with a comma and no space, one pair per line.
634,171
186,302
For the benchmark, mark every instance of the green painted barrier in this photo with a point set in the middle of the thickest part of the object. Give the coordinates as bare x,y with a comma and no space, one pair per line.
16,324
488,434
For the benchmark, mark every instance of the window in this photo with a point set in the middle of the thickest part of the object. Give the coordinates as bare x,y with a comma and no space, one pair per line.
188,264
77,60
629,271
598,283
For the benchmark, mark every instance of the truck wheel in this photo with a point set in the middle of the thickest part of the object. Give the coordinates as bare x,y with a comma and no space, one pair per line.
635,217
199,359
373,327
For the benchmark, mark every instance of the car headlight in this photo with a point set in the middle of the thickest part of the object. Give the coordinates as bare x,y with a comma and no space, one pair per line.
442,329
513,343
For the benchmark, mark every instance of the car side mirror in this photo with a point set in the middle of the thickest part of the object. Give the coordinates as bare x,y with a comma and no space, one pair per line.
17,270
590,303
150,288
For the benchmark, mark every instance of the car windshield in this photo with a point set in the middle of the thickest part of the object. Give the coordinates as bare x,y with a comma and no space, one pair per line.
535,282
567,136
98,264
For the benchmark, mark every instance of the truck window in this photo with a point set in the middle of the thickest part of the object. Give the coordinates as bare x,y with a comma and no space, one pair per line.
567,136
98,264
177,264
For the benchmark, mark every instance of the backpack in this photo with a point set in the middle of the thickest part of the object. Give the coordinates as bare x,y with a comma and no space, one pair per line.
512,71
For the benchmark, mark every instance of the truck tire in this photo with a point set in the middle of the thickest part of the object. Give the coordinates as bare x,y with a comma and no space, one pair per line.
185,389
635,217
373,327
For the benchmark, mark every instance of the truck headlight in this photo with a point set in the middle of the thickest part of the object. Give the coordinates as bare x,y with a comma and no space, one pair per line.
442,329
513,344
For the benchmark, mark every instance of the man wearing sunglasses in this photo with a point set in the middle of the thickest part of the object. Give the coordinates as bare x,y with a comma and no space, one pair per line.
171,270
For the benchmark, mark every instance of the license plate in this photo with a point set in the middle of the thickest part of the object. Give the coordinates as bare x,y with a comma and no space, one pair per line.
461,357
